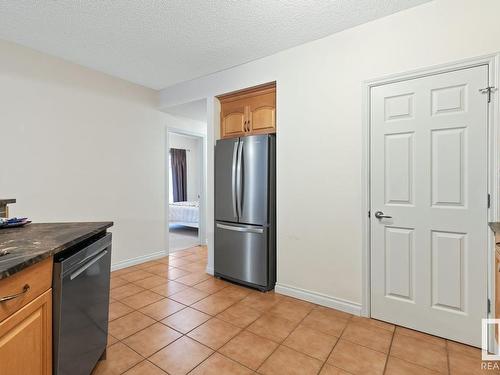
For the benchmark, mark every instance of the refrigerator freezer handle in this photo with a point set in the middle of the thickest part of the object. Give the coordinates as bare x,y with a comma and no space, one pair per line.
240,229
239,182
233,179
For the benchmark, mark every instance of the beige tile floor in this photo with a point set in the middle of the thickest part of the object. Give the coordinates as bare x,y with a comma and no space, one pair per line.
169,317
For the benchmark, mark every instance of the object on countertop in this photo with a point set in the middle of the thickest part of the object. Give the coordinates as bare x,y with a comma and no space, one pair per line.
14,222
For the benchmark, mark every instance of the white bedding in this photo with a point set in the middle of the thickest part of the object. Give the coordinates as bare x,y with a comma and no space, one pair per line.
185,213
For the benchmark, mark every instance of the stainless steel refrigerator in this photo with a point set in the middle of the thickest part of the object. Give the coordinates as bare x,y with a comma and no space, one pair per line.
245,210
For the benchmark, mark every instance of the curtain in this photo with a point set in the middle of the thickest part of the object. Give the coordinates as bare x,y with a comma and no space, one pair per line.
179,174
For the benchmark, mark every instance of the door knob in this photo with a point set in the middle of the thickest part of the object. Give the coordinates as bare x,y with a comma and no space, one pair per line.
380,215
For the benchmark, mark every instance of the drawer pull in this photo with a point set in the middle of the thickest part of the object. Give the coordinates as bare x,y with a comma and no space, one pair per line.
26,289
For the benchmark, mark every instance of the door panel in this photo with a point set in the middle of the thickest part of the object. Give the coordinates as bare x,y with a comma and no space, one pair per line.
254,184
262,109
429,172
26,339
241,253
448,169
225,179
448,272
233,117
399,167
233,124
399,263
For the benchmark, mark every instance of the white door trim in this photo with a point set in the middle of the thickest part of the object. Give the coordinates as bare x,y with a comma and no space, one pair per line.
492,61
202,226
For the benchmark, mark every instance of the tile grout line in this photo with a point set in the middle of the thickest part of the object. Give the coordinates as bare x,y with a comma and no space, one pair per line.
241,330
350,320
191,338
147,358
211,317
256,334
149,289
368,347
418,364
448,357
158,367
218,312
282,341
331,351
213,350
389,351
155,321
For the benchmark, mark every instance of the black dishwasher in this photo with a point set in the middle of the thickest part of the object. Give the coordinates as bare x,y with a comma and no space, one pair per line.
81,305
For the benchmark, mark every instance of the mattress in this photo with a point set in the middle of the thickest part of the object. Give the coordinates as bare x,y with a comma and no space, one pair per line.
185,212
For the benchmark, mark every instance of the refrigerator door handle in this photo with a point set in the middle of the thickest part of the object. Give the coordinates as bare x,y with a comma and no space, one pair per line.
233,179
240,229
239,182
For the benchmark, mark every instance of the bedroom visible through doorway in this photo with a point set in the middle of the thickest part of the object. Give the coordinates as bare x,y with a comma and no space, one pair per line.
185,186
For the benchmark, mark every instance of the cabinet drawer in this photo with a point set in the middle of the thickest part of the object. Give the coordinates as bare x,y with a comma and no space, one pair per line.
39,279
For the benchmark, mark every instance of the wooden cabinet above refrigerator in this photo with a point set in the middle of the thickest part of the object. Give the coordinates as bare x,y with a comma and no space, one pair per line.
248,112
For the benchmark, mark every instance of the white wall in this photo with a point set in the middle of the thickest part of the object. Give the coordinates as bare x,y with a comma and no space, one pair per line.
193,162
185,124
319,112
82,146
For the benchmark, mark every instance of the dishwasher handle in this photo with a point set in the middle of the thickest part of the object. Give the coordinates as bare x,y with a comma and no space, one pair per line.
101,244
79,271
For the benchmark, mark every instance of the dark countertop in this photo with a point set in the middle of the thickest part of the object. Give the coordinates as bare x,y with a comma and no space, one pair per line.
495,226
35,242
7,201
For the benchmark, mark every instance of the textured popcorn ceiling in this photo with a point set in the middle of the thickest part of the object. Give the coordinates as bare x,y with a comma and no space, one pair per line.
159,43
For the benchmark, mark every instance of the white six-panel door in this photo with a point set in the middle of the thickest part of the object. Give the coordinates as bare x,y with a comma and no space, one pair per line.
429,172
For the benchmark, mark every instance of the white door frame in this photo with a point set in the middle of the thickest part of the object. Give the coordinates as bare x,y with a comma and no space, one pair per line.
202,226
492,61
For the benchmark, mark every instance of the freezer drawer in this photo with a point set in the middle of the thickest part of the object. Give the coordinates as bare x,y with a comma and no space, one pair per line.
241,253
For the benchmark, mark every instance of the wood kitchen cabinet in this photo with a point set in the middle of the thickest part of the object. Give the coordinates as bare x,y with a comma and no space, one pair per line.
249,112
26,339
234,115
26,321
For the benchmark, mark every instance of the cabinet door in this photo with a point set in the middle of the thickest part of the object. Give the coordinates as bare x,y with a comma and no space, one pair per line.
26,339
233,118
262,113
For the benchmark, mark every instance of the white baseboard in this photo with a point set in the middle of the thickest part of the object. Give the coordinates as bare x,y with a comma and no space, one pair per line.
138,260
210,270
319,299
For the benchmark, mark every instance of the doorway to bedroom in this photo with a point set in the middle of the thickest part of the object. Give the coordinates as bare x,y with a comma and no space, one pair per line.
185,189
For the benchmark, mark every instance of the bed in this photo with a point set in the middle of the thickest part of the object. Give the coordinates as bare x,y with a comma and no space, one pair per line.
185,213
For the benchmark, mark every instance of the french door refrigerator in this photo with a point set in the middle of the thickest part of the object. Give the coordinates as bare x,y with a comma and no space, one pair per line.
245,210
